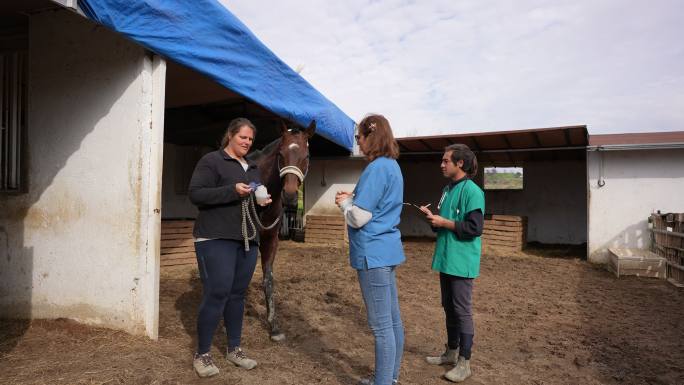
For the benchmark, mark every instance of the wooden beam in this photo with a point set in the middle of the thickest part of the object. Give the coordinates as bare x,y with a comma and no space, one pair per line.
427,146
477,144
508,144
537,142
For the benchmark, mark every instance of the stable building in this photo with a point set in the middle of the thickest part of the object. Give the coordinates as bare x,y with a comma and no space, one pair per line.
629,177
105,109
577,189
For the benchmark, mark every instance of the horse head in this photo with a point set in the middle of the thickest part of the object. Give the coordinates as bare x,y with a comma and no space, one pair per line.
293,160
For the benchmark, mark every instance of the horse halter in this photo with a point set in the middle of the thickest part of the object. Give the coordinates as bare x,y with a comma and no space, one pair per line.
292,170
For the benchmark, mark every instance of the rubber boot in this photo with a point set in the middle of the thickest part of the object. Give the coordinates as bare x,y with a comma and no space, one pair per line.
460,372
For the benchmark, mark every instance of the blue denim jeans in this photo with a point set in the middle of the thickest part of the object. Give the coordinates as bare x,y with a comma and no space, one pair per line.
379,290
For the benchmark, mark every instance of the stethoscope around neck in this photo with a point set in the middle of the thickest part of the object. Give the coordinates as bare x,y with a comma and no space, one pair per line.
460,196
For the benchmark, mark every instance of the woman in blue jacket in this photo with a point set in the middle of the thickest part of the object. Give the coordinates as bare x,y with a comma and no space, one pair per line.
372,212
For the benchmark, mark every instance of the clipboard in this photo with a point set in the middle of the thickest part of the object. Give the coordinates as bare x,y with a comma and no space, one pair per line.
422,214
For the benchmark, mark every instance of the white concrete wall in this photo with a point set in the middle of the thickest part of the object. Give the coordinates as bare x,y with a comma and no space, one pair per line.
83,242
325,178
637,183
553,199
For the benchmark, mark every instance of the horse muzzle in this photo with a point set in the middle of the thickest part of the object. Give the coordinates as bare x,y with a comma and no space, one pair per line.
290,199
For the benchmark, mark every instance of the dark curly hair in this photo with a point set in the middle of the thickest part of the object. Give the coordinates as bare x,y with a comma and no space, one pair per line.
462,152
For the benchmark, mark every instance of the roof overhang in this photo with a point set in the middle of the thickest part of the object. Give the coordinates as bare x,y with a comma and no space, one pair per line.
198,111
506,147
14,22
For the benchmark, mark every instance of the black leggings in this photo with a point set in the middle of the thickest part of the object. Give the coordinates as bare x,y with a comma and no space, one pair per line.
457,293
226,270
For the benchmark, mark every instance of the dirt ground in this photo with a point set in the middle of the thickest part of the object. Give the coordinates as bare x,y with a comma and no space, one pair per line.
538,320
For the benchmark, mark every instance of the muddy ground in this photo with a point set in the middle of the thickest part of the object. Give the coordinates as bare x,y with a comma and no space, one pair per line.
541,317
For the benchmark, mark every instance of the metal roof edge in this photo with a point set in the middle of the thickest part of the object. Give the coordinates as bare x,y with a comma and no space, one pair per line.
637,138
487,133
636,146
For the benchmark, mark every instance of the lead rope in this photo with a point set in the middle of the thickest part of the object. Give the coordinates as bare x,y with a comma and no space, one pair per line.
249,215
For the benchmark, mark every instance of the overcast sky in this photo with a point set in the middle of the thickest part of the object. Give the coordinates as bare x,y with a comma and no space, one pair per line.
442,67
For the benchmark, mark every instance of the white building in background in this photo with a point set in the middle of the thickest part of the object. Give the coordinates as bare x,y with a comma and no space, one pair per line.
86,117
630,176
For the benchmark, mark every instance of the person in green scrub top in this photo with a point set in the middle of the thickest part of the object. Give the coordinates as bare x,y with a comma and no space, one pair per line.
457,255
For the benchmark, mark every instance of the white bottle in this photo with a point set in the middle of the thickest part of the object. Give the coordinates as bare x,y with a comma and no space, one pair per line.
261,194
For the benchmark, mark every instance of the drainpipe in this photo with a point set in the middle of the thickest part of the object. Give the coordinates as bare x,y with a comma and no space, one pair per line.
628,147
637,146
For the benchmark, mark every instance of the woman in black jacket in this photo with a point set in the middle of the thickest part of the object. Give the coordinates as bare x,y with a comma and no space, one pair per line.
220,182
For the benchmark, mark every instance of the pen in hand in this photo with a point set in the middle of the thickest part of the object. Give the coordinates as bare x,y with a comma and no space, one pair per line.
425,209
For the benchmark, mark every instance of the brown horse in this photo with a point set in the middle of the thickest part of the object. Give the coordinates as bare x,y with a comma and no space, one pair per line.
283,165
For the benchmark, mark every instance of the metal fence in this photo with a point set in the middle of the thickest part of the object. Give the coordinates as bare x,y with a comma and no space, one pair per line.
667,231
292,225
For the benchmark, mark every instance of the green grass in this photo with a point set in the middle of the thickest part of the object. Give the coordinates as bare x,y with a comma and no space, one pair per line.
503,181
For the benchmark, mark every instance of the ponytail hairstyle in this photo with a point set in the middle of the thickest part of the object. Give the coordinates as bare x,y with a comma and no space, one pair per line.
462,152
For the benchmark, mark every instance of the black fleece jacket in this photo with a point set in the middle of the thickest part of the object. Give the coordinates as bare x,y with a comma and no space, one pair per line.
212,190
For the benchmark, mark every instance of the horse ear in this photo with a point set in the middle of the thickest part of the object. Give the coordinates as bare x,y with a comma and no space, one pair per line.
283,126
311,130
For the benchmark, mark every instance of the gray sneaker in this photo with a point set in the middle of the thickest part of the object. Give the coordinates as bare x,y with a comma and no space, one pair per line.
450,356
204,365
460,372
238,357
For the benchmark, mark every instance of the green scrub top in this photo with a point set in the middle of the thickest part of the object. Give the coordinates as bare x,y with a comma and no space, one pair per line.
454,256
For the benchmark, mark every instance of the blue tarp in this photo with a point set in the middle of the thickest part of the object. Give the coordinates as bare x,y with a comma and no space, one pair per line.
205,36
